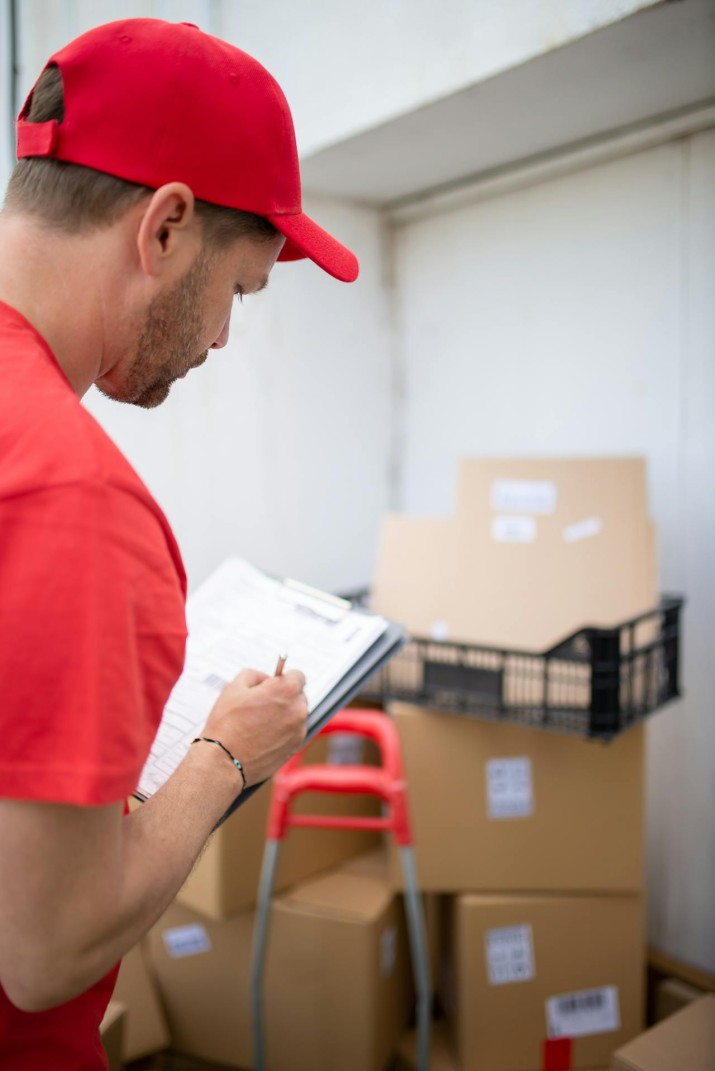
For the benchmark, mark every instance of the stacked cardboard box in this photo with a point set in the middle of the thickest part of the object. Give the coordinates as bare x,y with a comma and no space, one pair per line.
145,1031
535,837
536,550
683,1040
337,983
337,975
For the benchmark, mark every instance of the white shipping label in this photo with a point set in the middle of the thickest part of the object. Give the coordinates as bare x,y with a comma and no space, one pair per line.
523,496
388,950
589,1011
592,526
513,529
510,955
186,940
509,788
346,749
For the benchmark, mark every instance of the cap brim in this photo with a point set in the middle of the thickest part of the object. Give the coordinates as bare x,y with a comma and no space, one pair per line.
304,238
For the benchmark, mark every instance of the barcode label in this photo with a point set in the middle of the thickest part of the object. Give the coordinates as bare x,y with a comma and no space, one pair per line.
509,792
510,955
588,1011
346,749
523,496
214,681
513,529
186,940
592,526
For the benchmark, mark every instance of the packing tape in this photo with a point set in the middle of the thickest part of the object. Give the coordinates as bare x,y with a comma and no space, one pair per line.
557,1054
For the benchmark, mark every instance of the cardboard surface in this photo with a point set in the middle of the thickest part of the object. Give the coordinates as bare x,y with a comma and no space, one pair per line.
337,989
538,548
225,880
111,1031
682,1042
204,983
578,820
348,937
145,1030
377,864
572,947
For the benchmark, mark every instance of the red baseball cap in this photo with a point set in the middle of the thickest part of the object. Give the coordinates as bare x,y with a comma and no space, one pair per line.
154,102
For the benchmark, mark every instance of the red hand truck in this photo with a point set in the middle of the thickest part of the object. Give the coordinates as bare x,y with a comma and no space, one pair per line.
386,782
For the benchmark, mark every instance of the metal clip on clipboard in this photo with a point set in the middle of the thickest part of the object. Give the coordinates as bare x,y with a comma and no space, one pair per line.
387,782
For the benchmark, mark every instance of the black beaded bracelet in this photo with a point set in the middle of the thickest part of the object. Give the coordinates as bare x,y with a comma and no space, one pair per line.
236,762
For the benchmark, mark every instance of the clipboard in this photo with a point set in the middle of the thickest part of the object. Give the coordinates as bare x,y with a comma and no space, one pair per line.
240,616
384,648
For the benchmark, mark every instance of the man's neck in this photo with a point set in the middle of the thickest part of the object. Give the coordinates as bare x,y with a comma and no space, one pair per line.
56,283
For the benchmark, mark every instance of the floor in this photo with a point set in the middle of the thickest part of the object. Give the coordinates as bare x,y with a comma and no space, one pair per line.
167,1061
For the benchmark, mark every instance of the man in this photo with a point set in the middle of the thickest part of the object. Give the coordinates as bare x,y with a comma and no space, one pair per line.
157,180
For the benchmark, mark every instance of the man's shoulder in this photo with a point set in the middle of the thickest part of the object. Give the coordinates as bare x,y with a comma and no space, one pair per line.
50,441
47,437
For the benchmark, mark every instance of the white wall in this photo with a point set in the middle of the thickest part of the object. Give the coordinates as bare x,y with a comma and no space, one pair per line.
372,61
575,317
681,853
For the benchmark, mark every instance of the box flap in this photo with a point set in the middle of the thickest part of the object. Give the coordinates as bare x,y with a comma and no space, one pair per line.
684,1040
341,894
538,548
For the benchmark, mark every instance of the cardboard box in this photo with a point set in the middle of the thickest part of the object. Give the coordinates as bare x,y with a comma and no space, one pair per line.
442,1056
538,549
225,880
145,1030
683,1042
536,981
203,972
376,863
497,807
111,1031
337,988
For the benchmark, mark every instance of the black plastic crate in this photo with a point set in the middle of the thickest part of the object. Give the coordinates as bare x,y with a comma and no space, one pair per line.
595,683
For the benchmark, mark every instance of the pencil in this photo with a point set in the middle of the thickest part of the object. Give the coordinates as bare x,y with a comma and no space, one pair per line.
282,658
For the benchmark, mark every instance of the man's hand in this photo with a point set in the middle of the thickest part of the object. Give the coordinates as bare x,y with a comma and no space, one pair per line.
261,720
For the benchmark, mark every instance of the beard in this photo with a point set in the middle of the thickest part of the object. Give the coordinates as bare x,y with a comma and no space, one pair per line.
169,341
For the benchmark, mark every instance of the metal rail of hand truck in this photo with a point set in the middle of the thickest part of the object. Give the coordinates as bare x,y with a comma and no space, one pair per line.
388,784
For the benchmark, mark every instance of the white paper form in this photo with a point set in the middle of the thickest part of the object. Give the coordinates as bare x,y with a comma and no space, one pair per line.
242,618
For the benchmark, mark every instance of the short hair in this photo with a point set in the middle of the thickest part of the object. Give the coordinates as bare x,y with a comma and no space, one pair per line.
74,199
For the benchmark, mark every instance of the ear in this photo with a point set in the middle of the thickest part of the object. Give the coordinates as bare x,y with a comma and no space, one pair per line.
167,228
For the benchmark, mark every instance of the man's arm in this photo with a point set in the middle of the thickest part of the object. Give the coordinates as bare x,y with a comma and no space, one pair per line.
80,885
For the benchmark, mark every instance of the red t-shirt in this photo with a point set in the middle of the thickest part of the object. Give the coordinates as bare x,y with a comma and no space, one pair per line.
92,635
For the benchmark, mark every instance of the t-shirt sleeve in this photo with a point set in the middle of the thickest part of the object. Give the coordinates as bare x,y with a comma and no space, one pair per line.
92,635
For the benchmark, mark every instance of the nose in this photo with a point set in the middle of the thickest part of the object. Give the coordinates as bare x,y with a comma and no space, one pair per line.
223,335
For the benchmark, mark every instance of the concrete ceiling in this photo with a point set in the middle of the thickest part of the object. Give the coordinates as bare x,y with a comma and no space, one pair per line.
658,61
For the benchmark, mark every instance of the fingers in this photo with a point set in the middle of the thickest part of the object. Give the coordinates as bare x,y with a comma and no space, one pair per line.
249,678
289,683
